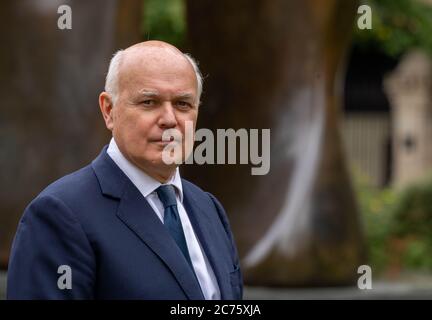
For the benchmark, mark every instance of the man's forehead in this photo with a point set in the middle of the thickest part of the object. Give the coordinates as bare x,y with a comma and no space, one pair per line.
154,56
161,65
143,68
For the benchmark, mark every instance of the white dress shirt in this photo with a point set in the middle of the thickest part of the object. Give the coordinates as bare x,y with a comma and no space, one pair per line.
147,186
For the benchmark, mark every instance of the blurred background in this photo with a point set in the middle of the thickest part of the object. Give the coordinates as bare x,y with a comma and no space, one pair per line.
349,109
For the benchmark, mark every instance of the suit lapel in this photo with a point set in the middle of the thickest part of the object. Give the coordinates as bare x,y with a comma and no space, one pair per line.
210,241
135,212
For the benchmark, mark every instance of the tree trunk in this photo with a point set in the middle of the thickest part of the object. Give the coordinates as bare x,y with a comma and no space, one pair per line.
280,65
50,81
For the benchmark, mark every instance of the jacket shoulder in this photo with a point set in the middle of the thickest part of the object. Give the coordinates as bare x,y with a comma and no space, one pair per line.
73,185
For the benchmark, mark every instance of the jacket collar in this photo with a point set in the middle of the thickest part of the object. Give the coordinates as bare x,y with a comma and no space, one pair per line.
145,183
111,179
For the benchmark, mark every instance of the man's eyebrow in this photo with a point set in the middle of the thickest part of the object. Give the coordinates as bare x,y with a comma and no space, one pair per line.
184,96
155,94
147,93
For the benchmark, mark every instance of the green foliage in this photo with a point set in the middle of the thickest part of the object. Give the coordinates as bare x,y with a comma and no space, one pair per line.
413,222
414,211
397,25
164,20
375,206
417,255
398,225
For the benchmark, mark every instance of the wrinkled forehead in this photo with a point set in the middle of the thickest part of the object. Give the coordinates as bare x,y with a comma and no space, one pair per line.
157,63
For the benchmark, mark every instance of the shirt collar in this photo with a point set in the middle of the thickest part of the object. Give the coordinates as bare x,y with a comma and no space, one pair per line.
145,184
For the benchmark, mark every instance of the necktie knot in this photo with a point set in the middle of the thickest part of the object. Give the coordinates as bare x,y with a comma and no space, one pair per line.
167,196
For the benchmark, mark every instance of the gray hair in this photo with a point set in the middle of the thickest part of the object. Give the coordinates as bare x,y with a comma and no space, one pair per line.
111,80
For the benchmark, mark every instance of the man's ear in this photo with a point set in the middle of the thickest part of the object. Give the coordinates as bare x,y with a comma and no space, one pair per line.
106,107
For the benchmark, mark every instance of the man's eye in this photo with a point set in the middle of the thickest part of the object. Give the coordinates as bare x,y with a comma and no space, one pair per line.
183,104
147,102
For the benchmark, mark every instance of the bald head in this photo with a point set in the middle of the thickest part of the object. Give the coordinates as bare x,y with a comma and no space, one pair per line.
154,46
151,56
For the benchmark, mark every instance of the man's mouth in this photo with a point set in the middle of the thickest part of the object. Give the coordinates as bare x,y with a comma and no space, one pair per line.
162,142
165,142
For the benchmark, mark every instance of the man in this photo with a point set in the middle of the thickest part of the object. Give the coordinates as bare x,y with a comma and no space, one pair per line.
127,226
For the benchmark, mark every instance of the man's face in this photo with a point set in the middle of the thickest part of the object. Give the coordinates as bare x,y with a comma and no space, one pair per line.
155,94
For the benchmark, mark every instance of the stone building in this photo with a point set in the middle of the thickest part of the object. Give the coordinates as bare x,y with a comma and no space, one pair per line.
387,123
409,89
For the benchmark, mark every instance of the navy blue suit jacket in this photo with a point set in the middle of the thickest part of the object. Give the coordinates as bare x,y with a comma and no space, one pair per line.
98,223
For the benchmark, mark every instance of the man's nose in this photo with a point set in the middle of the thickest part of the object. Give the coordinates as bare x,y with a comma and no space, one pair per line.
167,118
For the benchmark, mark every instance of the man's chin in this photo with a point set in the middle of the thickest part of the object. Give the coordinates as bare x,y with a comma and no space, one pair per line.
165,164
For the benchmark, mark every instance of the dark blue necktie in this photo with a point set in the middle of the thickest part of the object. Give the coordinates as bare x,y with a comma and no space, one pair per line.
172,222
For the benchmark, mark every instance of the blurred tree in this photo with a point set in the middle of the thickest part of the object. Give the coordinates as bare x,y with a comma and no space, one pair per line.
398,25
279,64
50,123
164,20
376,206
398,224
412,224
